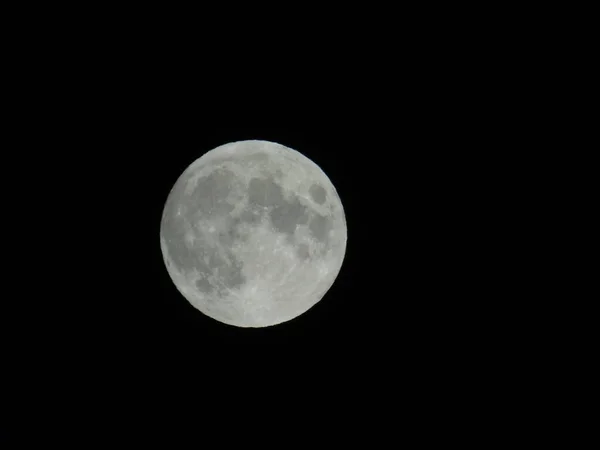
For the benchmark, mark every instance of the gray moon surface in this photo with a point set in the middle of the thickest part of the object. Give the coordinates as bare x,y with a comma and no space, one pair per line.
253,234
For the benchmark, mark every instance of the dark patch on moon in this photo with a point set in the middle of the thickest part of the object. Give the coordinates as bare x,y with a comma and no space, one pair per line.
172,224
319,227
227,236
233,232
264,192
230,276
210,194
185,258
250,216
285,218
182,256
302,251
230,233
204,285
318,194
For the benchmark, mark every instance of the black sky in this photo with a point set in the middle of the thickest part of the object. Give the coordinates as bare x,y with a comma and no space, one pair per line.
102,326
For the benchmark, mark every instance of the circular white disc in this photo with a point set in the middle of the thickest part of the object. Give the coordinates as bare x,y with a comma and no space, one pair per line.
253,234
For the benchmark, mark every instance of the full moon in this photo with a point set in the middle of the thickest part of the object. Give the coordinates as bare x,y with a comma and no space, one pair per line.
253,234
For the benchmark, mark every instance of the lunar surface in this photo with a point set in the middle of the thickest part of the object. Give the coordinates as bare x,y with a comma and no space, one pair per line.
253,234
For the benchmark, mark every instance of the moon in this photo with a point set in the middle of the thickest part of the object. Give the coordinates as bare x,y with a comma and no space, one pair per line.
253,234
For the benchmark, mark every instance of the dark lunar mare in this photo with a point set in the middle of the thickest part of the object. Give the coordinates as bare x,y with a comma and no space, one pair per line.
207,199
210,194
264,192
302,251
286,215
320,226
318,194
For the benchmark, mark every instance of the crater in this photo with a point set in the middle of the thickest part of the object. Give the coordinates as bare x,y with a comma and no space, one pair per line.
318,194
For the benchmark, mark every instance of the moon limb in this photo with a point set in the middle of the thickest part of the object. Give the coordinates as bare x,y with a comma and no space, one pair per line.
286,266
